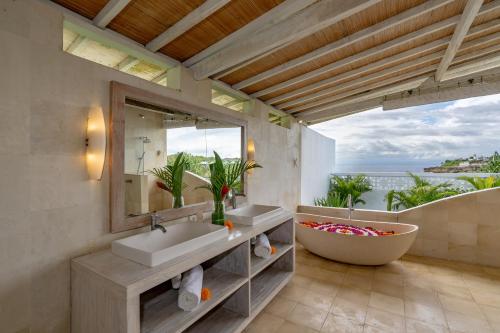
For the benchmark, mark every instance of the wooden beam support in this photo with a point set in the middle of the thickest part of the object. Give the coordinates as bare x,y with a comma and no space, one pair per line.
345,42
109,12
304,23
187,22
408,84
76,44
341,111
271,17
450,22
360,80
127,63
160,77
468,16
360,71
475,66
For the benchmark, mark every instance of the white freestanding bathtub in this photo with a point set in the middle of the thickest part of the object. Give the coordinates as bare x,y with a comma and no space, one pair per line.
353,249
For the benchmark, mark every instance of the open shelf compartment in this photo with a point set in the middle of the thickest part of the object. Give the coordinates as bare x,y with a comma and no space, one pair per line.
266,284
282,238
223,275
229,316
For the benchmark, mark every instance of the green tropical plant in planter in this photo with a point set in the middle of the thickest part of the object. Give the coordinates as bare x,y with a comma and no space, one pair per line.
355,186
172,179
422,192
223,178
482,183
333,199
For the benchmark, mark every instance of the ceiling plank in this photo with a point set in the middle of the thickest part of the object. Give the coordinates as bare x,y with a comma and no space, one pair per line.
387,90
304,23
358,80
380,64
470,12
127,63
275,15
187,22
450,22
344,42
109,12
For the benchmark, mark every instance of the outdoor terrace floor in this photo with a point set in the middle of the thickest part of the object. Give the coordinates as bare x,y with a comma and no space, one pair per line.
414,294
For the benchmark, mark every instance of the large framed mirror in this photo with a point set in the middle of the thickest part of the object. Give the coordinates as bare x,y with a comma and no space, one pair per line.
148,132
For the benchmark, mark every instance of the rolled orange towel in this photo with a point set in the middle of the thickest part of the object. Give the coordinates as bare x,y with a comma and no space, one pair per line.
206,294
273,250
229,225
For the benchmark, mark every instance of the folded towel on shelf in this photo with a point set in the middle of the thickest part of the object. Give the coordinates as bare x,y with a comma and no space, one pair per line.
262,246
176,281
190,289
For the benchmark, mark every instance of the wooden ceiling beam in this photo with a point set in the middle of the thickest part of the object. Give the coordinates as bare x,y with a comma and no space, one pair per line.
344,42
402,66
109,12
187,22
472,67
377,65
428,30
470,12
341,111
304,23
381,92
127,63
271,17
76,44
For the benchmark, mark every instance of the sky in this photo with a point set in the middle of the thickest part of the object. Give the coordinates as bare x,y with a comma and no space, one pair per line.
412,138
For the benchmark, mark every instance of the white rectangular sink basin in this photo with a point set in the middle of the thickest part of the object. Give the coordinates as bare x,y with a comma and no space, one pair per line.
253,214
155,247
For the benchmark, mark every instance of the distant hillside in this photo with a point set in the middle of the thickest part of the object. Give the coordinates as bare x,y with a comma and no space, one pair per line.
489,164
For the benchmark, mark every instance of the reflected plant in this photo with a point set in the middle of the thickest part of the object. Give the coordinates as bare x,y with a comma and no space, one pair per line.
171,177
420,193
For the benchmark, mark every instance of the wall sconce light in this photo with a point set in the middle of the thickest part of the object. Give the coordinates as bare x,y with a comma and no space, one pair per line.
96,143
250,153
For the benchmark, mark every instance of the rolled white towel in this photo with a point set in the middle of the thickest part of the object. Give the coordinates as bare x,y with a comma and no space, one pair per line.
262,247
190,289
176,281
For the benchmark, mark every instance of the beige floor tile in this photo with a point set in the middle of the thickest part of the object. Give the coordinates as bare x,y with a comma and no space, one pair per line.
422,296
463,323
416,326
265,322
339,324
459,305
433,315
371,329
388,288
280,307
384,320
317,301
492,314
293,293
307,316
454,291
324,287
300,281
289,327
355,295
486,298
349,309
391,278
387,303
358,281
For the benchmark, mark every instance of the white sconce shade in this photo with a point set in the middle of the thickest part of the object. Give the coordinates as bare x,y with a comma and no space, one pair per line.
250,153
96,143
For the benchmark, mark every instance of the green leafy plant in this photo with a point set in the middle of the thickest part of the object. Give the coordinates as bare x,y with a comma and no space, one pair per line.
493,165
422,192
481,183
332,200
223,178
171,177
341,187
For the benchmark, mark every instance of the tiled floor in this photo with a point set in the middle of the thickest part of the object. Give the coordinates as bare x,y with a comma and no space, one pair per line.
414,294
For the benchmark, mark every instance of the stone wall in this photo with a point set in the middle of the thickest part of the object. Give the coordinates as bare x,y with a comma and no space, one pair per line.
49,211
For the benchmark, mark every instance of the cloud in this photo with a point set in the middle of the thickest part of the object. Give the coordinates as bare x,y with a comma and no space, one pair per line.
436,131
225,141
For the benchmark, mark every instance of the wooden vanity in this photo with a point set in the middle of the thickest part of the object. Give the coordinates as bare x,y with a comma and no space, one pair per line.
113,294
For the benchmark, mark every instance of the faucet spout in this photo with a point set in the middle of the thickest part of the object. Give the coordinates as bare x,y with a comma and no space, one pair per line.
154,223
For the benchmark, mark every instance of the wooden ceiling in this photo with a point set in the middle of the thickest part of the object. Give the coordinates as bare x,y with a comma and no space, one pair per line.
309,56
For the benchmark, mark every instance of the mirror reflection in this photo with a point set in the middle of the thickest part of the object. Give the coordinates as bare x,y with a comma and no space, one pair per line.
167,156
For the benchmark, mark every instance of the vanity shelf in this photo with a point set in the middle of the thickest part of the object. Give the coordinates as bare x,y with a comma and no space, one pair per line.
161,314
258,264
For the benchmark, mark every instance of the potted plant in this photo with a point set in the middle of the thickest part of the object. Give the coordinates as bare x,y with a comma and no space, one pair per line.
224,177
171,179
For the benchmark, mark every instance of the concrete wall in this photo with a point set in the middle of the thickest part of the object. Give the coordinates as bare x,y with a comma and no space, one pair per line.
463,228
317,165
49,211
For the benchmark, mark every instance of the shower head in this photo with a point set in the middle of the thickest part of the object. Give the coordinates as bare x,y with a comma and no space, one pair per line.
145,139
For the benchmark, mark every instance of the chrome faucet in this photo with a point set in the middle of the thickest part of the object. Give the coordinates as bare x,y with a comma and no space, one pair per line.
233,198
349,205
155,218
